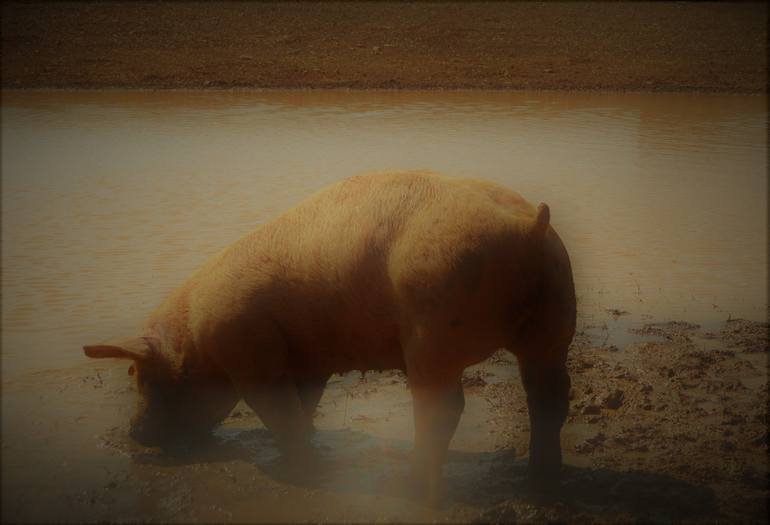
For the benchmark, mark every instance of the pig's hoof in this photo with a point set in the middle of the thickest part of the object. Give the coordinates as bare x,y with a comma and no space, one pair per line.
425,492
416,486
544,476
544,481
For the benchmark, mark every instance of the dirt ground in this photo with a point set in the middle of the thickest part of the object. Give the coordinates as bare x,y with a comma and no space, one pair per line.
647,46
668,422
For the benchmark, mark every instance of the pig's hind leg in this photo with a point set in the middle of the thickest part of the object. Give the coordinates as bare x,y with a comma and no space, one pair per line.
547,385
437,392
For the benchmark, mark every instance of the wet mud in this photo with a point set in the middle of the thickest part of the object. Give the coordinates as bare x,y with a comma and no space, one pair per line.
667,423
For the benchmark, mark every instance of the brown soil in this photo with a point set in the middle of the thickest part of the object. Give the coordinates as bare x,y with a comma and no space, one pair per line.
510,45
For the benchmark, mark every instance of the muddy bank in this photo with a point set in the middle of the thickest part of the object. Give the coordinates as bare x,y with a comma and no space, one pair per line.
674,46
671,426
669,429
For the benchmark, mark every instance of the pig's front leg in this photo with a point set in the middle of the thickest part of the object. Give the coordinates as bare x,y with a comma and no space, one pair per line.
310,392
279,407
258,367
547,385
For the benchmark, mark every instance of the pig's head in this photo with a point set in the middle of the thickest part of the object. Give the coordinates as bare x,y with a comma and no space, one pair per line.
176,404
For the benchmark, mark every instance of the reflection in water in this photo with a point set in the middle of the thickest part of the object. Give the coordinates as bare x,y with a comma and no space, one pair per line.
110,199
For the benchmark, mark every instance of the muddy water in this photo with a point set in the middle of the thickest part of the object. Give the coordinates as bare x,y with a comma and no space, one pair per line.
109,199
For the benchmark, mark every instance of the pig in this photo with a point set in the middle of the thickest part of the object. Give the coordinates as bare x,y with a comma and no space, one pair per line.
412,271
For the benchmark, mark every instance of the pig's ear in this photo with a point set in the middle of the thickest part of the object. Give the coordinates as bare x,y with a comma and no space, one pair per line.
136,348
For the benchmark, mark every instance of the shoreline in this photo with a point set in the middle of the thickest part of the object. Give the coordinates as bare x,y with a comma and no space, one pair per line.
576,46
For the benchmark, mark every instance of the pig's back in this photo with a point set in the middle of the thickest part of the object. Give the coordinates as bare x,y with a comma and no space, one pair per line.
338,270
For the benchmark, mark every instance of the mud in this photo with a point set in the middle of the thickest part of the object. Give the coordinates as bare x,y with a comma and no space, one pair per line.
670,426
